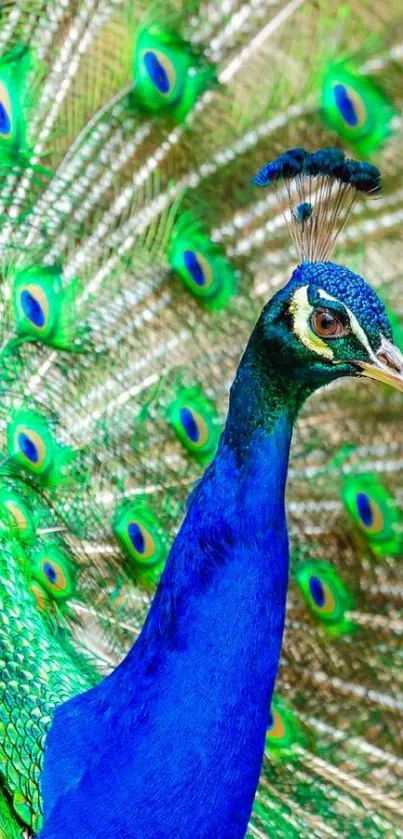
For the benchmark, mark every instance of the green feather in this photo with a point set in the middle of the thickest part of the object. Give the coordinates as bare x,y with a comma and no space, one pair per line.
32,448
142,539
53,570
355,108
200,264
374,513
326,595
44,309
15,89
284,731
169,75
9,826
16,515
195,422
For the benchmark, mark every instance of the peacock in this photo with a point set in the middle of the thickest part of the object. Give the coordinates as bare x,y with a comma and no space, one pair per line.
175,178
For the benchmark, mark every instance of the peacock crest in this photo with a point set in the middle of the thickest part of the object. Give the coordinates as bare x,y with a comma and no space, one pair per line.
316,193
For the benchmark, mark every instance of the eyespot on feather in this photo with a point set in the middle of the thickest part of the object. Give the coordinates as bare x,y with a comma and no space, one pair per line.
43,309
32,447
160,70
200,264
142,539
325,594
16,515
34,305
199,269
15,98
194,427
194,420
374,513
283,731
53,570
169,75
355,107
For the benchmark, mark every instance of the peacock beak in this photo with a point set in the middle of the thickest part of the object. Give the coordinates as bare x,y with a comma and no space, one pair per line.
387,365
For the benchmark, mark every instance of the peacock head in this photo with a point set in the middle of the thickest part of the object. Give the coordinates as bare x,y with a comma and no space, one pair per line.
327,322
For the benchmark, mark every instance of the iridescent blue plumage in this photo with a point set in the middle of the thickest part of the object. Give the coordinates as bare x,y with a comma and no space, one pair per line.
220,605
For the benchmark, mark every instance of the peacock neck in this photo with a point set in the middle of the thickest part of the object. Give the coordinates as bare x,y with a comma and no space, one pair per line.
263,404
240,499
191,700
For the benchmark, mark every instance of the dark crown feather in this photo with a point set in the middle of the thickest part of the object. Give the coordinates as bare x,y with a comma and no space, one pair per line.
316,192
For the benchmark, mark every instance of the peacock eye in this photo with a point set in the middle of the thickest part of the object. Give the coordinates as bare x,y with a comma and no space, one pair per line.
326,324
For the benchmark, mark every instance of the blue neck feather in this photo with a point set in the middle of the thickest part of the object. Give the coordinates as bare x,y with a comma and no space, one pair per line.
171,744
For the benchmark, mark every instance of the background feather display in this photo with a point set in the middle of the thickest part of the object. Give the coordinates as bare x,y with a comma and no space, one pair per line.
135,256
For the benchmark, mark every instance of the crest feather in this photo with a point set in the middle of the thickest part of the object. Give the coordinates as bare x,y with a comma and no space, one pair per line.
316,193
